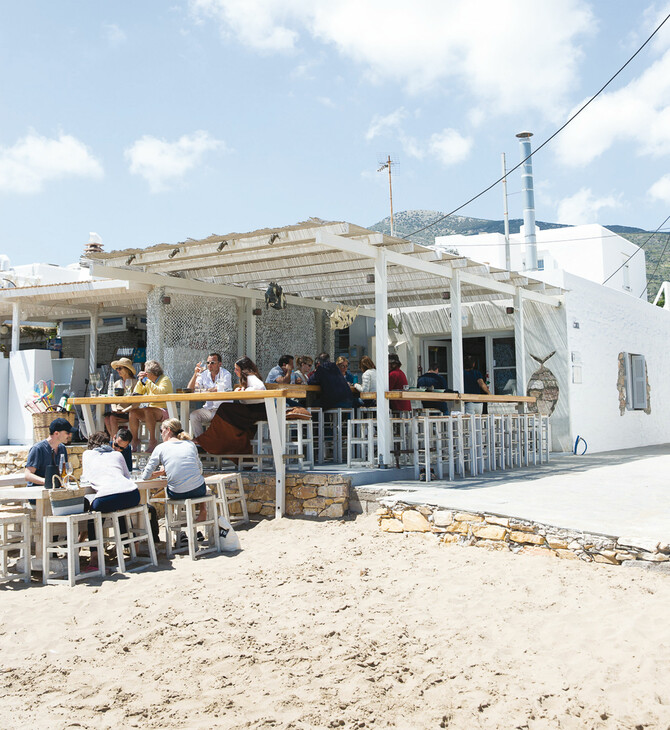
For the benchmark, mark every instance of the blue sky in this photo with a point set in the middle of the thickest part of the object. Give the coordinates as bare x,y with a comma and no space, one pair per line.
152,121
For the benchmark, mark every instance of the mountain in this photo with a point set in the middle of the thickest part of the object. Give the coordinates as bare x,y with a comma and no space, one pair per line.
656,246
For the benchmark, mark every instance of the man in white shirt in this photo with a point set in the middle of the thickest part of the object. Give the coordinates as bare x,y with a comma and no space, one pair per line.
211,378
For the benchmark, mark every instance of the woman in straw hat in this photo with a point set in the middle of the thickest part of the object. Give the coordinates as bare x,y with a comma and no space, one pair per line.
117,415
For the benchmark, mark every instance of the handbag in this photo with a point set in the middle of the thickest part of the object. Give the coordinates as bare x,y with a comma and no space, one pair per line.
67,500
298,413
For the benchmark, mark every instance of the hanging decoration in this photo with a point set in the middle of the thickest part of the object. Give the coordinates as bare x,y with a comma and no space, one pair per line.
274,297
343,317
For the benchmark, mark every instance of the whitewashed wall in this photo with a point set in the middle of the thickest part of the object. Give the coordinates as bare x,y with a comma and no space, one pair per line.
609,323
4,397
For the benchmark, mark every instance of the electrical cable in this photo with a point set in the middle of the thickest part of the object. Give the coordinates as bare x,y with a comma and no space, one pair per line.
658,263
546,141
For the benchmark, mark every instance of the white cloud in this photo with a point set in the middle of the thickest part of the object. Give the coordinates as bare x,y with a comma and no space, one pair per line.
660,190
326,101
115,35
32,161
162,163
450,147
584,207
505,52
391,125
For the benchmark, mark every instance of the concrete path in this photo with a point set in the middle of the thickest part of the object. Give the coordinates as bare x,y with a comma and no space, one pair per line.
618,493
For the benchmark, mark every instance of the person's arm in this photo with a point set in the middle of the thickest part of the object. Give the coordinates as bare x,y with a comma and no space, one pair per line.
227,381
286,377
31,477
194,377
153,462
483,386
163,386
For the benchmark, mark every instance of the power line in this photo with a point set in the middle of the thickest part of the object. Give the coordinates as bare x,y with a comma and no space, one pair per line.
553,240
660,258
558,131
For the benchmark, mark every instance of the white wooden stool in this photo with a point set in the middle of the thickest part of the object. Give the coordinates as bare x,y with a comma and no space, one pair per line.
300,441
317,413
138,530
15,536
180,518
218,483
53,542
336,417
361,442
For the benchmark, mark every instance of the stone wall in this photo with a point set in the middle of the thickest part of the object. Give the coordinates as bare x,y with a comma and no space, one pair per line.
309,495
519,536
13,459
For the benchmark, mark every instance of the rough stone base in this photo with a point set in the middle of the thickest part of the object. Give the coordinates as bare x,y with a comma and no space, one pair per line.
493,532
310,495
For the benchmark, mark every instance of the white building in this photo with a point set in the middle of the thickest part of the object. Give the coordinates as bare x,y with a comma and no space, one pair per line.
590,251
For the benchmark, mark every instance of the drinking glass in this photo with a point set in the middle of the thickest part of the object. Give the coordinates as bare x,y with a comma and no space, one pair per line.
69,469
128,385
98,383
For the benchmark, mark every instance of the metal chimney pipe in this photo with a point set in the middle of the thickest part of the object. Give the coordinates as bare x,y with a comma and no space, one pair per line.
528,201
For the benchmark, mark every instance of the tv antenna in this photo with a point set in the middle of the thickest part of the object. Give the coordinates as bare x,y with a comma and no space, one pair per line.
384,166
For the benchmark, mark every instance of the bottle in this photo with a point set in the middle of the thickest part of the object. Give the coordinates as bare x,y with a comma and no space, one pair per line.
61,468
62,403
110,385
68,406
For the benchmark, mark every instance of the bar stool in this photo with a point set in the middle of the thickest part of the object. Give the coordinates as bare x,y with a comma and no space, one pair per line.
53,542
317,416
180,518
300,441
15,536
361,442
262,446
138,530
219,482
335,417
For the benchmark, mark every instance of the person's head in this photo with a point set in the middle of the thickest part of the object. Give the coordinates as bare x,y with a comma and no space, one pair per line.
469,361
434,367
284,361
153,368
394,362
213,362
59,430
125,368
342,363
171,428
304,363
322,358
99,438
366,363
122,439
244,367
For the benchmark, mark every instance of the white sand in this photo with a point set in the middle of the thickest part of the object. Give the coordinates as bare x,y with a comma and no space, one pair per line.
337,625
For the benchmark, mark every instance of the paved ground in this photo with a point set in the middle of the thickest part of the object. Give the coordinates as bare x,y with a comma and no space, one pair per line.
618,493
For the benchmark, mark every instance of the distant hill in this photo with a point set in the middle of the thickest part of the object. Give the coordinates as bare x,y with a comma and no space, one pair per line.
408,221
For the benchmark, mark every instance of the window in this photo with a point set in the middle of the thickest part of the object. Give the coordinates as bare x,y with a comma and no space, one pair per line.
540,264
636,382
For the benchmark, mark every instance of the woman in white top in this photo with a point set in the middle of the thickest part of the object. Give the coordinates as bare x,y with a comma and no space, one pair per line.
368,382
234,424
105,470
300,375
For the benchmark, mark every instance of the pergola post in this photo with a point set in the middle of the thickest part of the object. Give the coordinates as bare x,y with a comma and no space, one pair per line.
384,437
241,323
456,334
250,321
520,343
16,326
93,342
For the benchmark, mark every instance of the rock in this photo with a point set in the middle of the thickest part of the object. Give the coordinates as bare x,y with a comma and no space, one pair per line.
502,521
263,493
526,538
338,479
459,528
333,490
317,479
442,518
254,507
293,506
291,481
651,546
541,552
621,556
522,528
652,557
391,525
610,560
557,544
268,510
567,555
382,511
425,511
468,517
490,532
318,503
414,521
499,545
450,539
333,510
304,492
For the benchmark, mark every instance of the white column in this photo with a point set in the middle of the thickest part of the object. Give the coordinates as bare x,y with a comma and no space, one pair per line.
241,323
93,342
456,333
519,343
384,437
16,326
251,328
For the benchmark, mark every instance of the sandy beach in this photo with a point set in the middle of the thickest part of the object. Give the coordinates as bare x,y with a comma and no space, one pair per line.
334,624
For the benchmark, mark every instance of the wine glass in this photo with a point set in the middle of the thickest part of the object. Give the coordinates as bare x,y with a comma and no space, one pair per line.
69,469
128,385
98,383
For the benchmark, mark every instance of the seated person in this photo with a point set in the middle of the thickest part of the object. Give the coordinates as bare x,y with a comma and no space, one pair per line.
121,444
433,380
48,452
105,470
151,381
234,424
213,378
343,364
397,381
117,415
335,391
282,371
300,376
368,382
179,461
